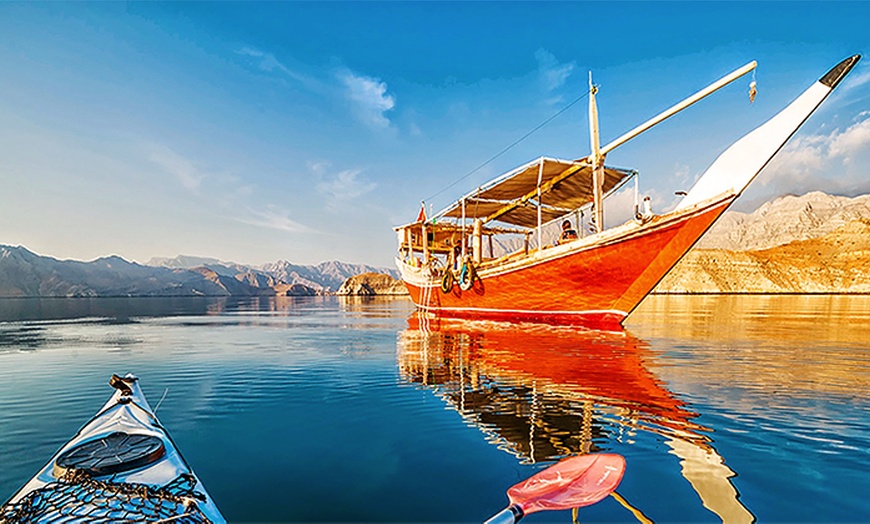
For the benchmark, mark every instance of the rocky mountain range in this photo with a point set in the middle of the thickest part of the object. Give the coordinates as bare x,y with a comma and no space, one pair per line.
26,274
838,262
783,220
324,277
814,243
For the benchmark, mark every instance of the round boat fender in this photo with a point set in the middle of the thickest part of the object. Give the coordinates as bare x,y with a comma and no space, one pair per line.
466,276
447,281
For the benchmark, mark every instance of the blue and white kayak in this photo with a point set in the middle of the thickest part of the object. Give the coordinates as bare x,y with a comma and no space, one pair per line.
121,466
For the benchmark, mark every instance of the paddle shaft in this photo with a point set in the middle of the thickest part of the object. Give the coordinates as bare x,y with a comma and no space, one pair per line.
509,515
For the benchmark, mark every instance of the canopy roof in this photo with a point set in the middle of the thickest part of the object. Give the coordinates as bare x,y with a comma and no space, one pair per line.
566,185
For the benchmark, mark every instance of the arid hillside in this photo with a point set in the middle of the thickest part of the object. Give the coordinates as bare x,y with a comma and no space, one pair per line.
837,262
785,219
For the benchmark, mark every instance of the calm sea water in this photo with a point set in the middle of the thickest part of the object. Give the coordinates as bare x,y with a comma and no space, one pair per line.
725,407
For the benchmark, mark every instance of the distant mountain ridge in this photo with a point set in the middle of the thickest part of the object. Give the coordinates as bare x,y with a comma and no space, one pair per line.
326,276
27,274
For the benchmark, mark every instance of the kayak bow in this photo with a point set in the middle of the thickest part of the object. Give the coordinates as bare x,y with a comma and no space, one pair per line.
120,466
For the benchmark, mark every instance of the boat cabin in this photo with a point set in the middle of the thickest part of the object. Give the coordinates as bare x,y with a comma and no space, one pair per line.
507,217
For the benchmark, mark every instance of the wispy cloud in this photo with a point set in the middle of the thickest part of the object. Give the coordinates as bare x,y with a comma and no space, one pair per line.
268,63
684,176
854,139
265,61
222,189
274,218
368,97
808,162
344,187
184,170
854,81
552,73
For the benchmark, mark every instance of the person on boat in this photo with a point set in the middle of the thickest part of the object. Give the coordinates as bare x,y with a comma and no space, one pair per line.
568,232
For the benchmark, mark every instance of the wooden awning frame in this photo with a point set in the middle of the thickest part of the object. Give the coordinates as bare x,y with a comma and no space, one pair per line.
565,185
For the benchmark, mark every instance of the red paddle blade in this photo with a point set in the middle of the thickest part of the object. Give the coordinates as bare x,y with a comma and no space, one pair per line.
572,483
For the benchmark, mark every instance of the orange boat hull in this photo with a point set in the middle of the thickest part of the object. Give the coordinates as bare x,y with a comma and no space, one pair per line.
595,285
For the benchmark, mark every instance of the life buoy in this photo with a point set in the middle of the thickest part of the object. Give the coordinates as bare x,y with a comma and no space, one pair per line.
467,275
447,281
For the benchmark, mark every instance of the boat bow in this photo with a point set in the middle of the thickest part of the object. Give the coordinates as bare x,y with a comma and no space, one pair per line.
735,168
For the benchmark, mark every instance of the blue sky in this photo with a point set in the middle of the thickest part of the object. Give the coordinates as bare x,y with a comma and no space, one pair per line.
304,131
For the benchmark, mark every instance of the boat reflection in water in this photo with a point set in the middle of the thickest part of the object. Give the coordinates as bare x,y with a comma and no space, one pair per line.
543,393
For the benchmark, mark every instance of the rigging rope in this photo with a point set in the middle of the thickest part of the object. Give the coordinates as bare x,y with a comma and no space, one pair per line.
508,148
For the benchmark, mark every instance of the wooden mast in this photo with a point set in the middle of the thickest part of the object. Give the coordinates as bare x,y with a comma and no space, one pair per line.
596,159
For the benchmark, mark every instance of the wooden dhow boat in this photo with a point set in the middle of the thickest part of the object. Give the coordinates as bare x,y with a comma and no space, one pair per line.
595,280
121,466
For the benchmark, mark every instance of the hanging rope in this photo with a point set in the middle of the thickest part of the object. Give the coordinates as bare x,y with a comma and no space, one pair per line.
508,148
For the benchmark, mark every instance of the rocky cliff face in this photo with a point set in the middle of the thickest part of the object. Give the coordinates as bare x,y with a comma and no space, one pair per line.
783,220
837,262
372,284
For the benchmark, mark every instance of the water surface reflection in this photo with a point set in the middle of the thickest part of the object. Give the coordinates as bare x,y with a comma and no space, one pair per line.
543,393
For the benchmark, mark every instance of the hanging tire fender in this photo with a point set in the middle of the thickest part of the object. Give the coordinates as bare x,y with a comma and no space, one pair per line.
447,281
467,276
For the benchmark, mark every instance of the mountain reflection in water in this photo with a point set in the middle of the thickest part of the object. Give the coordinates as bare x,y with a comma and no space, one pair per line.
543,393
